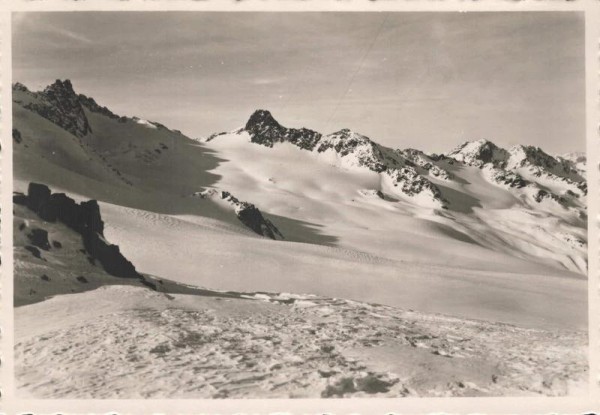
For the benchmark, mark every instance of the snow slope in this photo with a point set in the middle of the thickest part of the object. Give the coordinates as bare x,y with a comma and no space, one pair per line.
484,222
348,230
209,255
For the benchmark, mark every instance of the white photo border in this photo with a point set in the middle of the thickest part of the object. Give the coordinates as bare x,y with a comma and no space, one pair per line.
9,404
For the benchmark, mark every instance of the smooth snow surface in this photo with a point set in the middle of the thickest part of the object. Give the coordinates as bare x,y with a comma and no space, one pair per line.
210,255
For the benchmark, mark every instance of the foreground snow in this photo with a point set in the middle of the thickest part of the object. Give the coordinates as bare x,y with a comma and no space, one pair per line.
128,342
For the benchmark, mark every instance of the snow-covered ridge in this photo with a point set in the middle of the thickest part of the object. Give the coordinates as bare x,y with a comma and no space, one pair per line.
410,171
479,152
424,161
350,150
555,178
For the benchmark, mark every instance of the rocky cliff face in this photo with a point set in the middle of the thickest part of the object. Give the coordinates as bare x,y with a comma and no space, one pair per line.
60,104
265,130
85,219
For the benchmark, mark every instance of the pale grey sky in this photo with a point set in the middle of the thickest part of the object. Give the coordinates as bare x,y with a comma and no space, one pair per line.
424,80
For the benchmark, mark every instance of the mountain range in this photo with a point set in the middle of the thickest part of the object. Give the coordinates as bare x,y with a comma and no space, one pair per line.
270,261
476,207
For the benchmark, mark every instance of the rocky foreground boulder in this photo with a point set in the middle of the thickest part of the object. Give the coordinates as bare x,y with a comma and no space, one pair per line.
85,219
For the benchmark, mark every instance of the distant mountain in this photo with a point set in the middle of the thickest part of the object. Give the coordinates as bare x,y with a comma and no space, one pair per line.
353,150
526,170
524,167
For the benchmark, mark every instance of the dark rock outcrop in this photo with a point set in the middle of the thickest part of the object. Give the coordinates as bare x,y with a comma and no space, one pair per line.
34,251
19,198
544,194
510,179
246,212
265,130
85,219
424,161
413,184
16,135
60,104
38,200
39,238
250,216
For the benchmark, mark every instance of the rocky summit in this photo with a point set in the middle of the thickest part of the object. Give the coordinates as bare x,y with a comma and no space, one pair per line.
265,130
60,104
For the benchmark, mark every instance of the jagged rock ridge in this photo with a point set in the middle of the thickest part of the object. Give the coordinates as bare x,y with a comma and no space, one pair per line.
405,171
265,130
60,104
246,212
85,219
414,173
508,167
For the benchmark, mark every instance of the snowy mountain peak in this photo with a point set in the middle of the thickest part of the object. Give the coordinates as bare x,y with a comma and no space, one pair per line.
355,148
347,134
479,152
539,164
521,155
